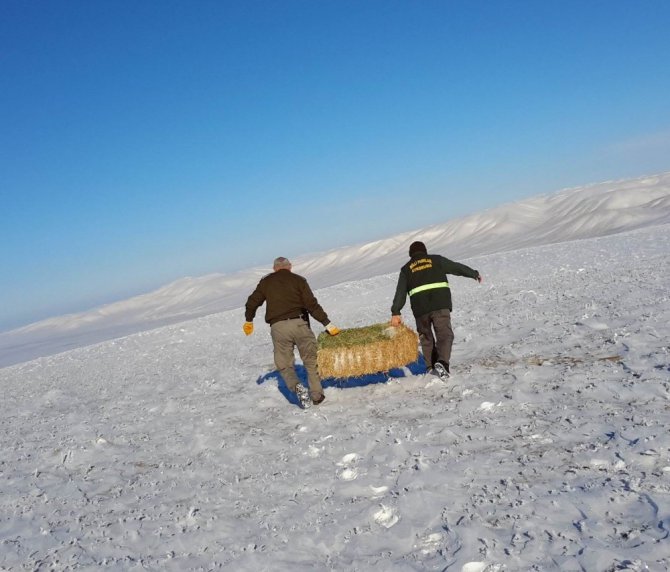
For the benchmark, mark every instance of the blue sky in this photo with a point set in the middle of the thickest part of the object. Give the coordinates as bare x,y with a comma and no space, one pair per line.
141,142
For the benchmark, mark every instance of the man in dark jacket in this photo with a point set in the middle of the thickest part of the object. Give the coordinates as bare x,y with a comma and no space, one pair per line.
424,279
289,300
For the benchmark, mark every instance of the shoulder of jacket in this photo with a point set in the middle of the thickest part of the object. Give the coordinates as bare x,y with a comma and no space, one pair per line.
265,279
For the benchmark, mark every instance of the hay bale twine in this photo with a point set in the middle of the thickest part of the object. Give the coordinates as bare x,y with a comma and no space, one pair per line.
371,349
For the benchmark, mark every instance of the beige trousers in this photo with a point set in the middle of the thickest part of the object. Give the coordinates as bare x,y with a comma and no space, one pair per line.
286,335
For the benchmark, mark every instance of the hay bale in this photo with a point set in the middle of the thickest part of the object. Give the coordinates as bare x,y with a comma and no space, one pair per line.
360,351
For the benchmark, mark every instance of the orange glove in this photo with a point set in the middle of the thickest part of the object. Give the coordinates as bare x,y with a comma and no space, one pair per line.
396,321
332,329
248,328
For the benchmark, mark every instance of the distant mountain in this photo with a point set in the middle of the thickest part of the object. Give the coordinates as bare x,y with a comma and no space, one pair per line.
584,212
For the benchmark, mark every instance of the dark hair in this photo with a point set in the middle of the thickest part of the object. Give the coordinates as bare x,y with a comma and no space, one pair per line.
417,246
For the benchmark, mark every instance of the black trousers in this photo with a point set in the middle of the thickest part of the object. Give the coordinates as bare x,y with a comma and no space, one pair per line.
435,335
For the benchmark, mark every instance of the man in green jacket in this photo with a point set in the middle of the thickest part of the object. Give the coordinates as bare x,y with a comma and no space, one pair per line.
424,279
289,301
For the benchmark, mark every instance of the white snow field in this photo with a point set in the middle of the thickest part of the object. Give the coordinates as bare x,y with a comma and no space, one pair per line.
584,212
549,449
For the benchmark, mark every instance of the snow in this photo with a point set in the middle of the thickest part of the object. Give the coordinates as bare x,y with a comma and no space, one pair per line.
175,449
584,212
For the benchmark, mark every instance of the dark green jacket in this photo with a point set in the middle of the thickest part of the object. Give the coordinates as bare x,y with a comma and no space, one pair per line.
286,295
424,278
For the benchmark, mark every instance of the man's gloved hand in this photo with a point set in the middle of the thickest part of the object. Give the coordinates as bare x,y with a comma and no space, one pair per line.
479,278
248,328
396,321
332,329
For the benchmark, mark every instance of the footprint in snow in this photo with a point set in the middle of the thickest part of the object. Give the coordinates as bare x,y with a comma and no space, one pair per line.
488,406
593,324
348,459
386,516
474,567
435,381
348,474
314,451
378,491
431,543
348,471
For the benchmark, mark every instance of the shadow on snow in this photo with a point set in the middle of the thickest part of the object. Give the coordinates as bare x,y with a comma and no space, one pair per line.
415,368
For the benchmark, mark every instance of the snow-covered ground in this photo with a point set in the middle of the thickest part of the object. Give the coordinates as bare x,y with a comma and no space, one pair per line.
175,449
584,212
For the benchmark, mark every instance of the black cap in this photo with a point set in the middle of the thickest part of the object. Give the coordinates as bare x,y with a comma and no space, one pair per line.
417,246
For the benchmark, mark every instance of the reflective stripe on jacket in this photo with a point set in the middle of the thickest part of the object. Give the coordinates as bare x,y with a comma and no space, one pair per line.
428,287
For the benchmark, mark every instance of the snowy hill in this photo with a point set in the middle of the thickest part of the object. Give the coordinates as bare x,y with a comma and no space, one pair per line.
175,449
590,211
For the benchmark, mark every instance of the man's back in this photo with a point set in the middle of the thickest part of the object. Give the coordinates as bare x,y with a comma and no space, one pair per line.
286,295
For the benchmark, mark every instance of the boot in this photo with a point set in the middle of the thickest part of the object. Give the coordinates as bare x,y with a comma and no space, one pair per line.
441,368
303,396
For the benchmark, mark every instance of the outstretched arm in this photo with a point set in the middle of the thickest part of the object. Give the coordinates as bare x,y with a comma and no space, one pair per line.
458,269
